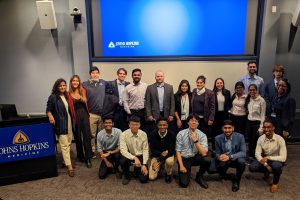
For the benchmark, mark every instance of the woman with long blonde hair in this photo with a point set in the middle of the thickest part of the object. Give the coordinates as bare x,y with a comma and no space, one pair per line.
79,109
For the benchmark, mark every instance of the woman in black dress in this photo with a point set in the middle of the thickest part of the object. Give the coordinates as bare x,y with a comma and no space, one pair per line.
82,135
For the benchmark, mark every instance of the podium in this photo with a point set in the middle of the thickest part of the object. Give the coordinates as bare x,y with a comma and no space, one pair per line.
27,150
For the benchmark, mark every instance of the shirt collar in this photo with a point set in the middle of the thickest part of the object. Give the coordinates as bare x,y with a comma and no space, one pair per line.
164,135
199,92
120,83
133,135
270,140
160,85
94,81
254,77
110,134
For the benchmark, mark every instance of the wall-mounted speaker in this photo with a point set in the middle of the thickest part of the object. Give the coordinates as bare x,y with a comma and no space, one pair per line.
296,15
46,14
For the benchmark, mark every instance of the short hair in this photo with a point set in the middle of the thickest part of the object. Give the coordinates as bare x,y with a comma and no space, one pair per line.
201,77
251,62
161,119
136,70
278,68
288,85
134,119
94,68
269,121
105,118
193,116
239,83
122,69
228,122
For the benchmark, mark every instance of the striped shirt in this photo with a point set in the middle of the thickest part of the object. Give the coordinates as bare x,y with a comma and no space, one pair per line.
185,144
108,142
132,145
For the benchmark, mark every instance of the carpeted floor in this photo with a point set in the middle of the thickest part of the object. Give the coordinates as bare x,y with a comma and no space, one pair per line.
86,185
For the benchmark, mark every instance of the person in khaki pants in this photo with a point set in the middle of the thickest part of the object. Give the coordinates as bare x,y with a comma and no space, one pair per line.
162,147
95,90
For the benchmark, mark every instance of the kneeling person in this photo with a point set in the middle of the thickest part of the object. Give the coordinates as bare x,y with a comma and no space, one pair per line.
135,150
191,150
230,152
162,147
270,154
108,148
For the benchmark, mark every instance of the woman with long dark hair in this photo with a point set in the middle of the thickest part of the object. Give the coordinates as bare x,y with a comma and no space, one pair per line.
223,105
282,108
58,112
238,113
183,109
79,109
256,107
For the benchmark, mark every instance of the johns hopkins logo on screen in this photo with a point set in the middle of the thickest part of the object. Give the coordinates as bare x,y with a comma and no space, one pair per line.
127,44
22,148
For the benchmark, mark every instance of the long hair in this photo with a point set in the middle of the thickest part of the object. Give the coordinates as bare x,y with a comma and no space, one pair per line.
56,85
215,88
288,84
80,88
179,92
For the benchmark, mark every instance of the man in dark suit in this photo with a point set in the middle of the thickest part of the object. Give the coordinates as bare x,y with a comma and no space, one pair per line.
271,86
230,152
117,86
159,101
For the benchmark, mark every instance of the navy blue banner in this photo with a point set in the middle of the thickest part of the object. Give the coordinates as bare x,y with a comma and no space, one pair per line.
26,142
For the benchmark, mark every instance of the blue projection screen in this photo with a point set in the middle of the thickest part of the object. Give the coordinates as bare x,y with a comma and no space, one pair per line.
142,28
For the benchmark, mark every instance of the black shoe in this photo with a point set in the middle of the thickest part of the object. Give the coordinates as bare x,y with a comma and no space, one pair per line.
235,185
125,181
201,182
118,175
226,177
88,163
168,178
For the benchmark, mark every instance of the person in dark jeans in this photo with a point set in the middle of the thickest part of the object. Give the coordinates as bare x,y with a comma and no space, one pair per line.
191,150
108,148
230,152
135,151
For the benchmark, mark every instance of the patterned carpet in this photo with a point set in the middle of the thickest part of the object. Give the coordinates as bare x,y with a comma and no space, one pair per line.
86,185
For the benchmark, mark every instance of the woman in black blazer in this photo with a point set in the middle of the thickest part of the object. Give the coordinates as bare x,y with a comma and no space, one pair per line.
183,109
222,106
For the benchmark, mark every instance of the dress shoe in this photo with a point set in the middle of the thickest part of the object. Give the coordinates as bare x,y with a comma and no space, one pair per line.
88,163
71,172
235,185
118,175
201,182
226,177
125,181
168,178
274,188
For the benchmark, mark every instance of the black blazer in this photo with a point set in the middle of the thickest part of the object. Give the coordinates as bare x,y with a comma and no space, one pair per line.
113,85
227,103
177,98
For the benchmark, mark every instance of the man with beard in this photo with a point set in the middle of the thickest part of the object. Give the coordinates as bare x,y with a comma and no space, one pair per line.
134,97
230,152
252,78
270,154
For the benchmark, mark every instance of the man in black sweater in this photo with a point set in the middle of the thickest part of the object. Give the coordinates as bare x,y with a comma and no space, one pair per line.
162,147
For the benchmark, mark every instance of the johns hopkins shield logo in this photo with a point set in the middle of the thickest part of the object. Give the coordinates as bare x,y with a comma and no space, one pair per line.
111,45
20,138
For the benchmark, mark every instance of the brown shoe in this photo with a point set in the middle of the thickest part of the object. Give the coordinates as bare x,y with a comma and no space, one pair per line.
71,172
274,188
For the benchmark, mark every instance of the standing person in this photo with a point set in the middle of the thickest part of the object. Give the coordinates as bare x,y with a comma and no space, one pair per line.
108,148
282,109
134,97
256,116
223,105
58,112
203,105
118,86
95,88
162,147
159,101
238,113
231,152
252,78
191,150
183,108
79,110
271,86
135,151
270,154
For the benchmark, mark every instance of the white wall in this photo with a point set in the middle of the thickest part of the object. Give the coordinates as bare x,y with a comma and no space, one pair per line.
176,71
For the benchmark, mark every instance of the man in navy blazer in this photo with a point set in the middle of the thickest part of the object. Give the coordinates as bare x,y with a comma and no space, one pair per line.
117,86
230,152
159,100
271,86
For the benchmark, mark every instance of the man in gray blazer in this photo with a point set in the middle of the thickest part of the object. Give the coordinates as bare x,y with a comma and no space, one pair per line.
159,100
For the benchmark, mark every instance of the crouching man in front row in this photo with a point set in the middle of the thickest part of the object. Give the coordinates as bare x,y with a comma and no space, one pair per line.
191,150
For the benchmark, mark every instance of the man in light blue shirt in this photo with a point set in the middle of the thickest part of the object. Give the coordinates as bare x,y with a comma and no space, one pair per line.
191,150
108,148
252,78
